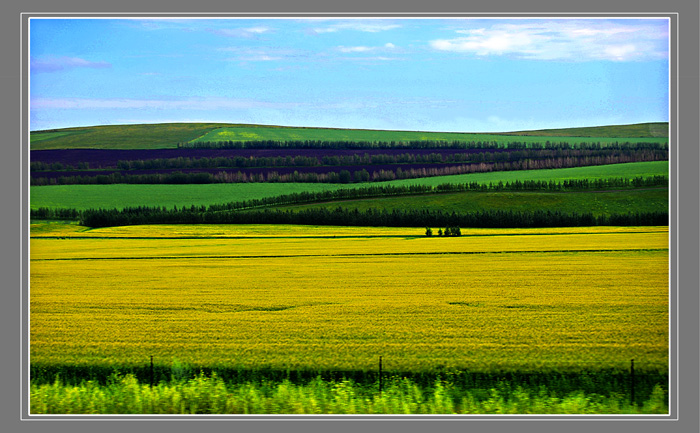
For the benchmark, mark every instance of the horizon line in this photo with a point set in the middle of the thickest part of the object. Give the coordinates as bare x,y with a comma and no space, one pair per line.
341,128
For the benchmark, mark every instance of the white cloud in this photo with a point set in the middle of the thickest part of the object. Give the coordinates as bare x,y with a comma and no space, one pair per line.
373,58
153,24
53,64
363,49
257,58
245,54
158,104
257,30
619,52
247,33
361,26
355,49
498,42
576,40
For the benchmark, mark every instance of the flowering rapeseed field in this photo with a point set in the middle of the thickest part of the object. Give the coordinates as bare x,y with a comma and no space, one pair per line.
326,298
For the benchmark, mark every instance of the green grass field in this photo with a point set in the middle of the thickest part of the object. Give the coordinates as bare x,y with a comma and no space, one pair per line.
122,195
654,129
597,203
168,135
286,134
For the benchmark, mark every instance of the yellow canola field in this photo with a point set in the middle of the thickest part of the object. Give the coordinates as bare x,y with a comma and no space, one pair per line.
53,230
489,300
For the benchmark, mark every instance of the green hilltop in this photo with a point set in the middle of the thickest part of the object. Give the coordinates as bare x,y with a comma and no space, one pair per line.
169,135
144,136
641,130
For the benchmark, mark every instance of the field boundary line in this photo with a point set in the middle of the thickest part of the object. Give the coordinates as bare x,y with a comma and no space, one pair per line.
69,237
353,255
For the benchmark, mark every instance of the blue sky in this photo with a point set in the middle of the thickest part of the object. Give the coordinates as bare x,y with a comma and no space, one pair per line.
466,75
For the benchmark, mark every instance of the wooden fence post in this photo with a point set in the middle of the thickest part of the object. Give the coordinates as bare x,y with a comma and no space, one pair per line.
632,382
380,376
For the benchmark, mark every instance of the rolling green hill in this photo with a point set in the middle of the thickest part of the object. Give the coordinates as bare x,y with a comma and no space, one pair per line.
595,202
642,130
164,135
168,135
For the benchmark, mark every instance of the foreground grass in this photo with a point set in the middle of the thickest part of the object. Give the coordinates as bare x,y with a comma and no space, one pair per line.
83,197
211,395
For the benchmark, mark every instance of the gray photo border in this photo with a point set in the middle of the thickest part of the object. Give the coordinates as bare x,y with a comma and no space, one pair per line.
684,215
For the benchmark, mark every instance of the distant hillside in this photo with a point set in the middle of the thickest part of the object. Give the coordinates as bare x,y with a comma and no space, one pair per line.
147,136
168,135
641,130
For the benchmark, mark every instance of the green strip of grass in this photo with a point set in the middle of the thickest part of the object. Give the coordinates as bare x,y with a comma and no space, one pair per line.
291,134
597,203
122,195
629,170
653,129
212,395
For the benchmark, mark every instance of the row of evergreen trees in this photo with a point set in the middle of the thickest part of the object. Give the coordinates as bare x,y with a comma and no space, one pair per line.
365,159
370,217
421,144
376,191
341,176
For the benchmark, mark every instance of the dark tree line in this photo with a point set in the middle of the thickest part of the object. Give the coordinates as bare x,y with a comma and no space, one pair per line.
342,176
376,191
44,213
370,217
357,159
420,144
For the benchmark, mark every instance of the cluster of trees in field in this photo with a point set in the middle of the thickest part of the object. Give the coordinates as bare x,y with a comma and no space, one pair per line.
358,159
362,174
508,143
370,217
449,232
375,191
